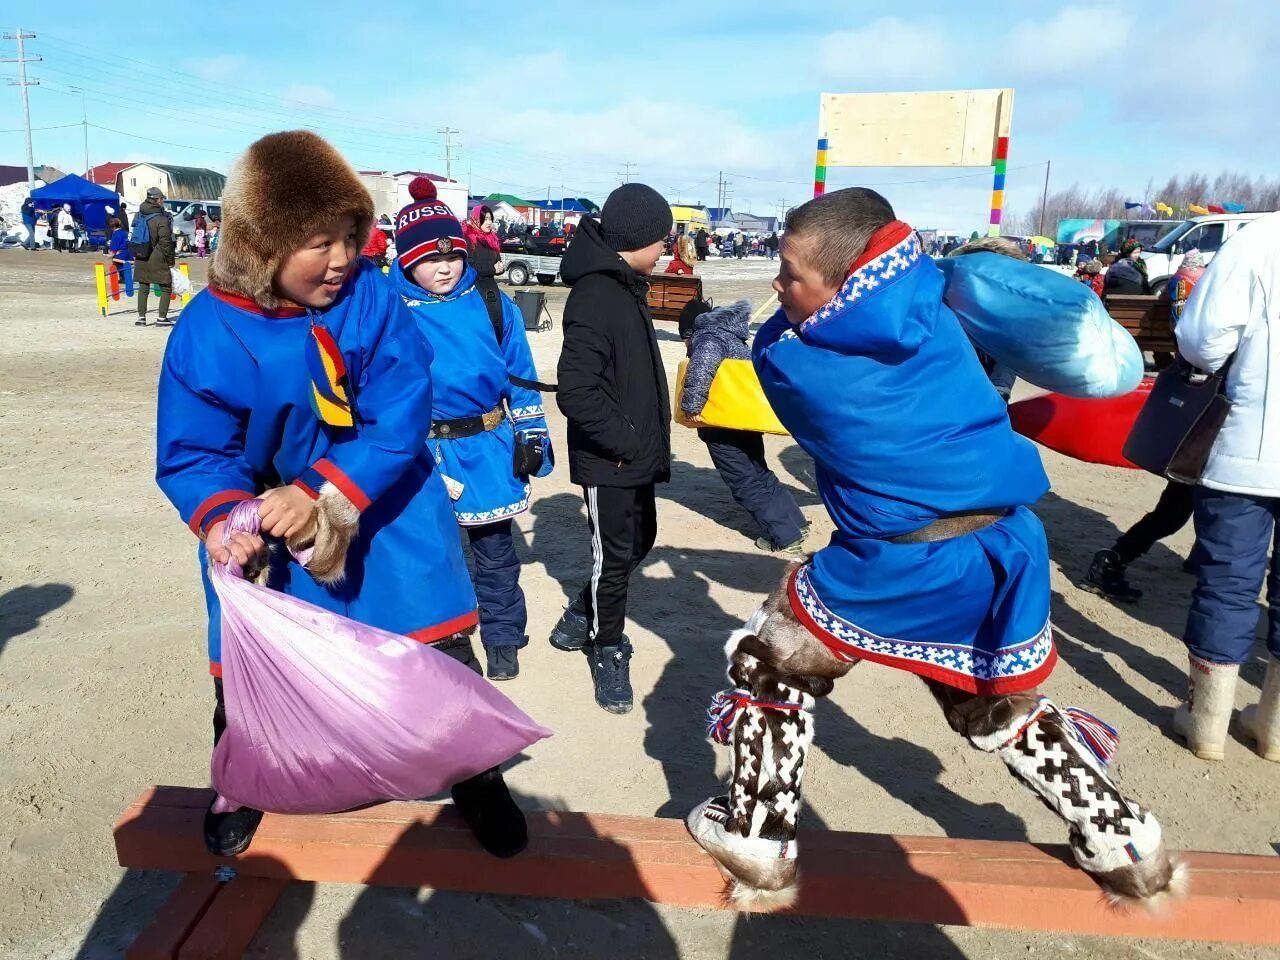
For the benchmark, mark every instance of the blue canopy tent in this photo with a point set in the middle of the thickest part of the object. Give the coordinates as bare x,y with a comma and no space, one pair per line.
88,202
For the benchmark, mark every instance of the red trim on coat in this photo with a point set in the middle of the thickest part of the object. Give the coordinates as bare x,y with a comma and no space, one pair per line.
244,303
215,669
882,241
952,678
447,629
331,472
306,489
212,503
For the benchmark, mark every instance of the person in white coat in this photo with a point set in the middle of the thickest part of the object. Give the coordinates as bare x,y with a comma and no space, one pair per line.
1233,317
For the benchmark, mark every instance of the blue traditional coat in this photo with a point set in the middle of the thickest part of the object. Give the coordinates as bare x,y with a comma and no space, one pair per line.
235,418
471,373
884,390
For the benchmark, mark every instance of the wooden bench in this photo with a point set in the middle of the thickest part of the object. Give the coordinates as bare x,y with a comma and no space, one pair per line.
669,292
1147,317
1233,898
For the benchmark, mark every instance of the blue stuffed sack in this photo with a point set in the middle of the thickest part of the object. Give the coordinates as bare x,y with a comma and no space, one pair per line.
1052,330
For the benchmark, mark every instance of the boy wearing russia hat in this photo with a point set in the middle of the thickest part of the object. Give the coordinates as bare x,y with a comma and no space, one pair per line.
488,433
298,377
614,393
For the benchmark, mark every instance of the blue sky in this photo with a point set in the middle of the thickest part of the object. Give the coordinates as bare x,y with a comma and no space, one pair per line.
560,95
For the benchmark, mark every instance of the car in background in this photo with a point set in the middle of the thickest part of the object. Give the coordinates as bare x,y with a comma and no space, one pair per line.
184,221
1206,234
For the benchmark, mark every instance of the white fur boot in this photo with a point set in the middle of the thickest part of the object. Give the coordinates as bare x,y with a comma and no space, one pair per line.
1262,722
1211,697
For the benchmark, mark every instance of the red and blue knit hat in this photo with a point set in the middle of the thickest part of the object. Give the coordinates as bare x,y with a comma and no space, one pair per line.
426,227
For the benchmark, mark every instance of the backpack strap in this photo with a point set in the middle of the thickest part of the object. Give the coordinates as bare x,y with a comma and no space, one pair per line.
493,303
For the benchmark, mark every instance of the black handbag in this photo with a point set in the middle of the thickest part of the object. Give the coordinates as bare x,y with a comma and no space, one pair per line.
1177,426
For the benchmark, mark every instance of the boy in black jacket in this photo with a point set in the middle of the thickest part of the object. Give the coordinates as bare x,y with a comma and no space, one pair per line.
613,390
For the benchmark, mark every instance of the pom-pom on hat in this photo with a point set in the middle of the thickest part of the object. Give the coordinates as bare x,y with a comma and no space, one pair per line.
427,226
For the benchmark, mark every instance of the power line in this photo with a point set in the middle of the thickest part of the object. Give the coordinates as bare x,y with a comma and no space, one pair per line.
167,143
56,126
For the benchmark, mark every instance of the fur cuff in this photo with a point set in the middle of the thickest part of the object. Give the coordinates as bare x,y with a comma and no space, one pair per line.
322,549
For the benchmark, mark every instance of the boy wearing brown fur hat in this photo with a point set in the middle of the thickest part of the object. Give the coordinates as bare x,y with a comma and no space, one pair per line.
298,377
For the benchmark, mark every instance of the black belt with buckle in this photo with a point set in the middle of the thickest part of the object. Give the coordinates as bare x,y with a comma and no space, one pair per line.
467,426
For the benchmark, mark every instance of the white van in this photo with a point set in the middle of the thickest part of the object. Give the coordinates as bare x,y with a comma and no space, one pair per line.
184,221
1206,234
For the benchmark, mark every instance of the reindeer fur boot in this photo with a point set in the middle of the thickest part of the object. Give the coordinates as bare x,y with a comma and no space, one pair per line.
1261,723
1204,719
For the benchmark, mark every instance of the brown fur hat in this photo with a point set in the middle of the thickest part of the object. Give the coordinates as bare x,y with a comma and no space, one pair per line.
285,188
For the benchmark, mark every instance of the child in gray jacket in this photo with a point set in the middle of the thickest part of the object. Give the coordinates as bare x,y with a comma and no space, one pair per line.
721,334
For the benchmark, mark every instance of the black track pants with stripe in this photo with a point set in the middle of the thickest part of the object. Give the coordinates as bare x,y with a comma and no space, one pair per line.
624,526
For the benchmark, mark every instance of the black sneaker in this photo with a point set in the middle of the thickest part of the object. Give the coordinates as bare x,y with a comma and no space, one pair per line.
229,834
611,674
1106,578
573,632
486,805
504,663
164,321
140,322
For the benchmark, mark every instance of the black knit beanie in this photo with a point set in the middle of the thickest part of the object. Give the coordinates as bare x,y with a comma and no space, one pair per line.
634,216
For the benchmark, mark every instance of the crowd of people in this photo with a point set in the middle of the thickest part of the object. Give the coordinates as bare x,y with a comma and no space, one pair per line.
433,422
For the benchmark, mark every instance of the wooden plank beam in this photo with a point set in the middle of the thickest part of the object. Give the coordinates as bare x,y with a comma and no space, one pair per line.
1233,898
173,922
227,928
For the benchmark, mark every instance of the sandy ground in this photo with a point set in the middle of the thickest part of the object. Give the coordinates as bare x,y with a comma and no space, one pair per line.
103,687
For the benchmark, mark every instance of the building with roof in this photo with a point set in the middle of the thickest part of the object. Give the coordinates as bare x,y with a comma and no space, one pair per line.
176,183
106,174
11,174
390,191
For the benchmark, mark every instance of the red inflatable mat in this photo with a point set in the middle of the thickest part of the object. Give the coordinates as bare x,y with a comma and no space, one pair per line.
1090,430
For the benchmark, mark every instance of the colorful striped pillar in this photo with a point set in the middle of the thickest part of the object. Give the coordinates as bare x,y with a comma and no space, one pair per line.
820,169
997,188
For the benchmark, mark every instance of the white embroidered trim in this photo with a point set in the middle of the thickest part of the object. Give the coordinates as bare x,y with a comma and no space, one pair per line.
962,659
888,266
527,413
481,517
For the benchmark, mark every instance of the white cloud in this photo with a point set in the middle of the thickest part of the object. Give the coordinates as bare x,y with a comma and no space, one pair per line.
227,66
889,50
307,96
1077,38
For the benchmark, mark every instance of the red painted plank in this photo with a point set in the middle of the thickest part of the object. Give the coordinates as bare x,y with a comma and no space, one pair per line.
175,920
1233,898
226,930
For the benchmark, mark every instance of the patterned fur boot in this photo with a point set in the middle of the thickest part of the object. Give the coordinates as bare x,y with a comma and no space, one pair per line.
1204,719
1262,722
751,833
1061,757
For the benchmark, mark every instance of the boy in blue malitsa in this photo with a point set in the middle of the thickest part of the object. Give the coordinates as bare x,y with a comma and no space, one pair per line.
489,432
297,376
937,566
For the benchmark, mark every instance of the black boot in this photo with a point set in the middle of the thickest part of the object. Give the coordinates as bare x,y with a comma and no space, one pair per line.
504,662
573,632
229,834
611,674
487,807
1106,578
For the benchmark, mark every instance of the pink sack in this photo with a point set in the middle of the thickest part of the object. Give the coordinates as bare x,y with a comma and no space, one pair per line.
326,714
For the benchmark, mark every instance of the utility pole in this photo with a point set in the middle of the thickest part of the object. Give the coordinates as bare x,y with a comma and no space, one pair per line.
1044,199
447,133
626,173
22,82
84,120
782,210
